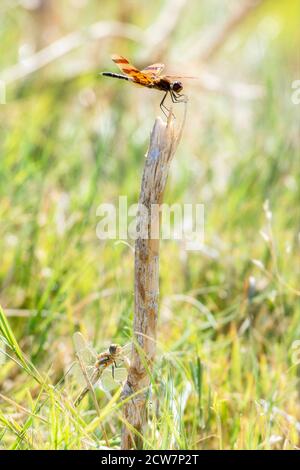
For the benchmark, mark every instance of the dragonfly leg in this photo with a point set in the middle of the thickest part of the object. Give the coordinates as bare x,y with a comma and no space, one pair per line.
163,107
177,98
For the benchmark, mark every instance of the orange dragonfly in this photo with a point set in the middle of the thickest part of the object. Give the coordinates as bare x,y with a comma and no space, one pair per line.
150,77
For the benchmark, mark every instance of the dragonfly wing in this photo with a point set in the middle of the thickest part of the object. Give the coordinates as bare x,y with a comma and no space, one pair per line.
144,79
85,352
126,350
153,69
108,382
124,65
78,375
180,77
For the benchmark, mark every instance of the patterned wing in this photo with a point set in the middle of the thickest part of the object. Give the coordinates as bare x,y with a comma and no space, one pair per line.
142,78
154,69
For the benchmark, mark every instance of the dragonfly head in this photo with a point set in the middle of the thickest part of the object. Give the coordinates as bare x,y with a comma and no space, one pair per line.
177,87
113,348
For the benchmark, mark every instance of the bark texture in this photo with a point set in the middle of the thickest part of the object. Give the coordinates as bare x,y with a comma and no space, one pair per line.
163,143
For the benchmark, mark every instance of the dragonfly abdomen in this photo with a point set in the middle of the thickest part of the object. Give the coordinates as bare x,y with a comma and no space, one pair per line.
116,75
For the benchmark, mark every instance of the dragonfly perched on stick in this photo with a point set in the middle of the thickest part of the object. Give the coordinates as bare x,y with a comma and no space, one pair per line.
151,77
102,369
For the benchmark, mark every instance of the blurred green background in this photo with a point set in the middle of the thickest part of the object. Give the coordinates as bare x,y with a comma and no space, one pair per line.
226,373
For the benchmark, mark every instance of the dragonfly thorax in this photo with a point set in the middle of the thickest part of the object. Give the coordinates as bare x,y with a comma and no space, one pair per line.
103,359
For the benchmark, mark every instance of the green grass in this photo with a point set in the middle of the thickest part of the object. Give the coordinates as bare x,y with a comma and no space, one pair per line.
227,384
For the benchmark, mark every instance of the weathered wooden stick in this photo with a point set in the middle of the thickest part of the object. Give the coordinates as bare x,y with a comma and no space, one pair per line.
163,144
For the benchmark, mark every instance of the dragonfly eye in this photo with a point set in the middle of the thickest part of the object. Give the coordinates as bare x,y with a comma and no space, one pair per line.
177,87
113,348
